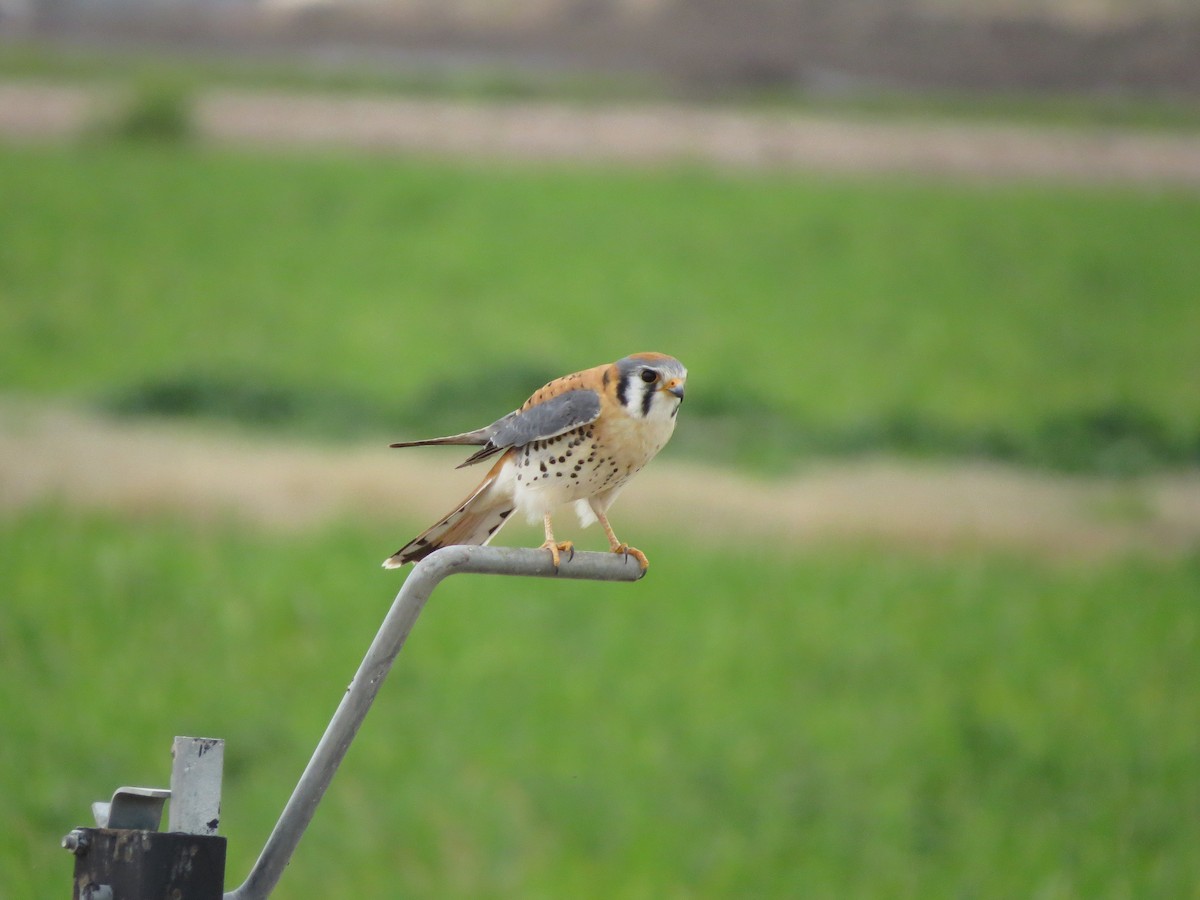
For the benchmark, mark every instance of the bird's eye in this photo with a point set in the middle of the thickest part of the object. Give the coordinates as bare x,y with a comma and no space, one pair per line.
649,376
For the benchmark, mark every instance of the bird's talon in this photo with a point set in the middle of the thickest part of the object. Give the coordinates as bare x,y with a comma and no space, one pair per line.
556,548
635,553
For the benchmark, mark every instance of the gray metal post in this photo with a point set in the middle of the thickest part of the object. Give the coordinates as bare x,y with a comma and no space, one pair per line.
359,696
196,770
126,857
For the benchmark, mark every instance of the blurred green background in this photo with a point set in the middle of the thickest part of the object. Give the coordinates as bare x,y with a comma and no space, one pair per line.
836,717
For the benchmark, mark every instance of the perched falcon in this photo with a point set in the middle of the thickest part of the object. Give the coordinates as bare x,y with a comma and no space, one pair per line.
577,440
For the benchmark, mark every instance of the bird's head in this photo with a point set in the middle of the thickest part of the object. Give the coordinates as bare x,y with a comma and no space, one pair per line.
650,385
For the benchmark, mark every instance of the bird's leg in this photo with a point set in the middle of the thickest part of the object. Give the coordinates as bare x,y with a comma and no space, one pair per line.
553,546
618,547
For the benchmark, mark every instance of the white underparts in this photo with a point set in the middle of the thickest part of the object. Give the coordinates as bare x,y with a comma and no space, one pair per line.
588,466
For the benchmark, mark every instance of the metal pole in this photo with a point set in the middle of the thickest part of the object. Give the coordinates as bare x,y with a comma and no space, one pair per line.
359,696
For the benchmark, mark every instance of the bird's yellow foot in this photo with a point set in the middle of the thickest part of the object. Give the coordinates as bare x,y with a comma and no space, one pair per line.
557,547
635,553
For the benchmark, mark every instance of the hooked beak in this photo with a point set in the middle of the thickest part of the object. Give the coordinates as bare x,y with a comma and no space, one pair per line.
674,386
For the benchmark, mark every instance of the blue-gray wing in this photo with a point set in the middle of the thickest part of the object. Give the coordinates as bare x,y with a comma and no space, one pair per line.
548,419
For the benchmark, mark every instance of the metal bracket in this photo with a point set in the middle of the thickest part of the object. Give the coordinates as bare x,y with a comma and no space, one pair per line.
197,768
126,856
359,696
137,808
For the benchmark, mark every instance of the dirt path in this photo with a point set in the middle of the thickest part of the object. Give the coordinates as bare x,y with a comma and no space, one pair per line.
90,462
641,134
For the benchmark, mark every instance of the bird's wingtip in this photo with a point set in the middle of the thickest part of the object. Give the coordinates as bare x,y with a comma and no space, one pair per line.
392,563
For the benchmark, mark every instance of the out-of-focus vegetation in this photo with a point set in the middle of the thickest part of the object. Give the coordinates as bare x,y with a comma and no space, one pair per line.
338,296
832,721
843,722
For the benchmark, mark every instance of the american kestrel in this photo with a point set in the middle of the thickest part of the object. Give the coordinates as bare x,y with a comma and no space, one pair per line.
578,439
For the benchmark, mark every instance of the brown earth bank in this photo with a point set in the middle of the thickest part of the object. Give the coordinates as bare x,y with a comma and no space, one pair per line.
87,462
634,134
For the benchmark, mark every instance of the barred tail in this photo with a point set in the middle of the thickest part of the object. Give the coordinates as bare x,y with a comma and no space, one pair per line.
474,521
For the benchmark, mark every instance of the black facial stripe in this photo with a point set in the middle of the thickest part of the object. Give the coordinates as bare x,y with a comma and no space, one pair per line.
647,398
623,388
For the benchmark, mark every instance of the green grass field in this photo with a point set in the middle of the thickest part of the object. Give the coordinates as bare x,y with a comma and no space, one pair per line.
848,722
838,721
1042,325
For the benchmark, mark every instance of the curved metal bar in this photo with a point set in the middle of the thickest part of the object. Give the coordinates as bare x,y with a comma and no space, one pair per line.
359,696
